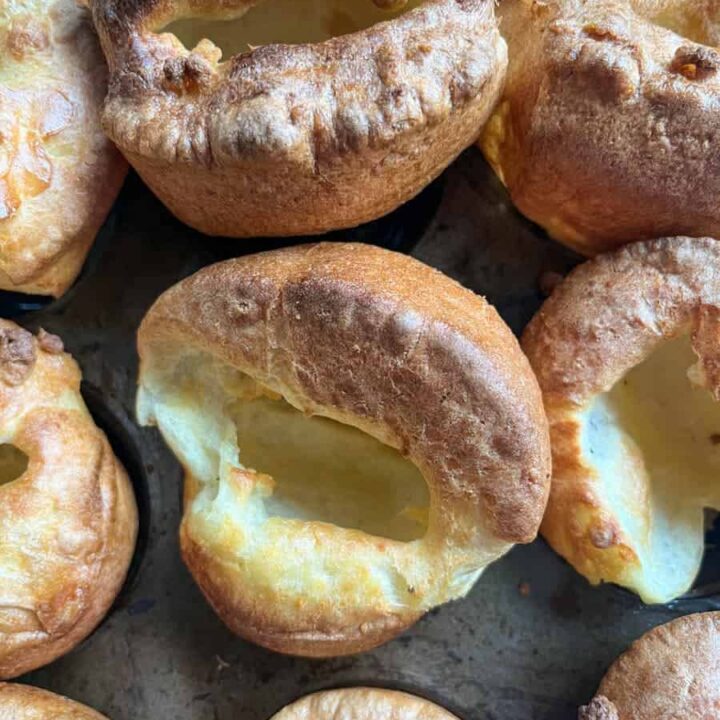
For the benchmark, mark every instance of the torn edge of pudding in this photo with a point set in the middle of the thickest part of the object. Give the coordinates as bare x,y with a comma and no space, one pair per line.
225,426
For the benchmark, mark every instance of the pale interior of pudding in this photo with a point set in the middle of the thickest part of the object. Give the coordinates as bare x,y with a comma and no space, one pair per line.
284,21
304,467
695,20
324,470
654,441
13,463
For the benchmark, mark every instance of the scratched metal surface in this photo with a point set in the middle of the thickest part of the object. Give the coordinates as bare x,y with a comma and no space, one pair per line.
500,654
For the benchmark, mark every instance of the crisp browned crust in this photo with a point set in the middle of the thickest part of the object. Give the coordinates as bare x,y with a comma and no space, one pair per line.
298,139
22,702
59,174
606,318
706,341
363,704
68,524
260,623
600,708
611,312
671,672
380,341
605,131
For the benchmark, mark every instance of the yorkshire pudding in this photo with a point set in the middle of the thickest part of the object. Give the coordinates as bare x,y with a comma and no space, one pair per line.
59,174
363,704
67,513
671,672
627,353
21,702
297,139
361,437
608,128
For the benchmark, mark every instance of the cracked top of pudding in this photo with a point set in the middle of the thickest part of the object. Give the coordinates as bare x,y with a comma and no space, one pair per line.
67,513
626,351
361,437
191,104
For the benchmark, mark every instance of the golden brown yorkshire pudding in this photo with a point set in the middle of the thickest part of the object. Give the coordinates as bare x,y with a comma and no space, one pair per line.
627,353
59,174
670,673
361,437
297,139
363,704
21,702
67,513
608,128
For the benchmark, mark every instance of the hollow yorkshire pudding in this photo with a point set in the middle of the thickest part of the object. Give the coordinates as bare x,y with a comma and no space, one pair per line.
67,513
297,139
59,174
671,672
363,704
21,702
607,131
627,353
361,437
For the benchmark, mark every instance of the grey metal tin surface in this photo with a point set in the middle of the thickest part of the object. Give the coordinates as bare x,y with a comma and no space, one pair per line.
500,654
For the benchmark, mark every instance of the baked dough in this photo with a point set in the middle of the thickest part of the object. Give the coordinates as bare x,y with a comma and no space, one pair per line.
363,704
607,131
297,139
627,353
422,457
67,514
59,174
21,702
671,672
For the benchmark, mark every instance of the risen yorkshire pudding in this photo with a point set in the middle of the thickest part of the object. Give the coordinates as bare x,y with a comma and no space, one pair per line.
67,513
627,353
21,702
361,437
363,704
608,128
672,672
59,174
296,139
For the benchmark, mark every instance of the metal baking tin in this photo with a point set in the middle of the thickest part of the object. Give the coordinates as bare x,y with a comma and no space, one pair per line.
531,641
